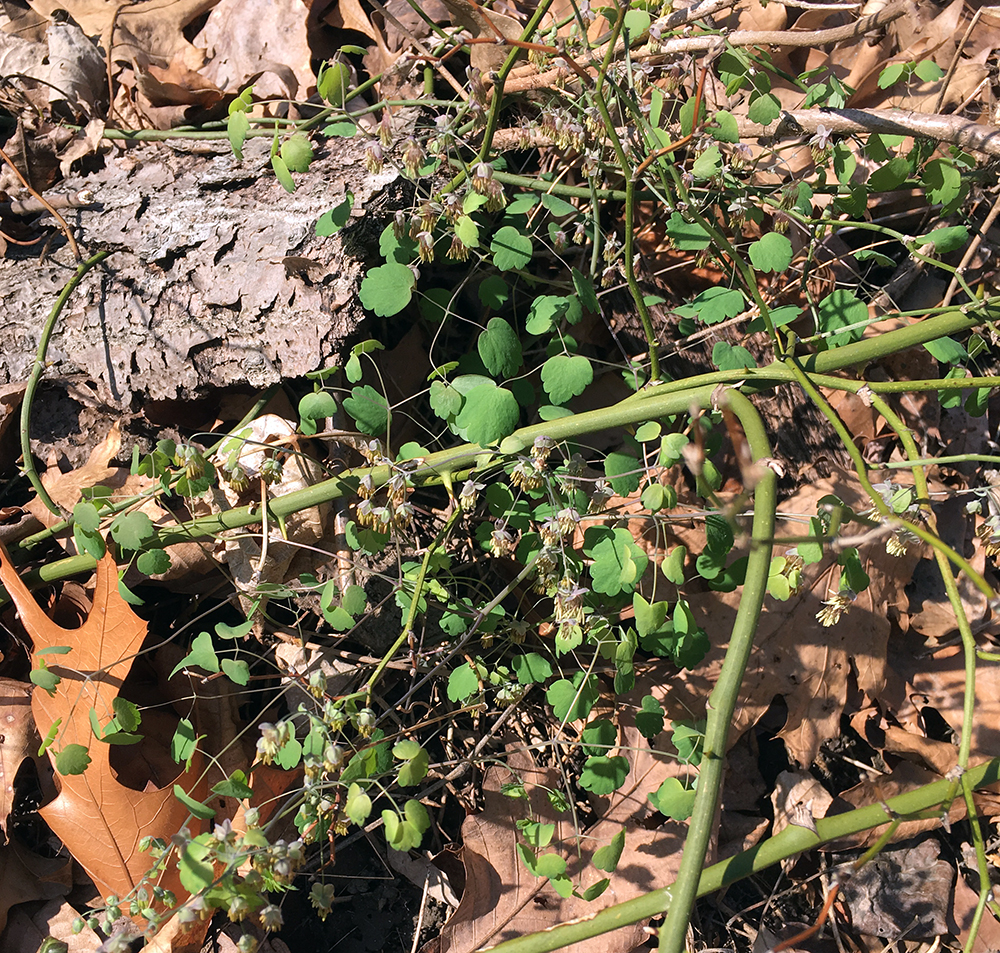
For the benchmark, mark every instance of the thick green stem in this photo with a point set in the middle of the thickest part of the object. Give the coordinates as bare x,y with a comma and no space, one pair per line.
923,802
722,701
34,378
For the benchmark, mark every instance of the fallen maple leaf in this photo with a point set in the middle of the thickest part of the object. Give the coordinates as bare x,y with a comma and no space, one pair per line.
98,819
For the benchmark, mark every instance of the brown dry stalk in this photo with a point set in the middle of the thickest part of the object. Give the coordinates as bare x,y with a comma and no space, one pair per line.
955,130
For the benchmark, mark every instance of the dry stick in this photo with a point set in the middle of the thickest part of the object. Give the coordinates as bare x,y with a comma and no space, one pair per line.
955,130
799,38
954,61
31,204
971,250
46,205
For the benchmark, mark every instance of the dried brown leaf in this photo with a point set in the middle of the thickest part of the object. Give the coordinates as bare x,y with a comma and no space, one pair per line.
18,739
98,819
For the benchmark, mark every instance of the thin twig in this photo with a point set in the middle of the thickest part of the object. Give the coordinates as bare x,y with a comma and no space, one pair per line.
954,61
971,250
46,205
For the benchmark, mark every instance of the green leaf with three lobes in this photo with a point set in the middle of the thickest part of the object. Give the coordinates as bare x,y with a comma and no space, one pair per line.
772,252
369,409
44,677
618,563
72,759
234,786
387,289
564,377
649,719
489,414
297,153
673,800
358,805
511,250
202,654
415,763
132,530
194,865
573,700
500,348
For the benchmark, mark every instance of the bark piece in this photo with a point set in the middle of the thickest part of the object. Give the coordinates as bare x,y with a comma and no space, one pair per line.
197,294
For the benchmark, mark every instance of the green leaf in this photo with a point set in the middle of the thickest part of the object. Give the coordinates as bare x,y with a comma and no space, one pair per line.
648,617
44,678
606,858
550,865
132,530
369,409
493,292
500,348
602,775
708,164
332,82
728,357
202,654
672,448
564,377
199,810
947,350
945,240
340,130
764,109
618,563
840,309
297,152
688,737
489,414
363,539
85,516
673,800
463,683
844,162
511,250
127,714
153,562
416,762
290,755
723,127
467,231
73,759
891,75
943,183
184,742
623,471
649,719
686,236
573,700
358,805
673,566
224,631
531,668
282,174
889,176
445,400
387,289
237,670
714,305
928,71
599,737
195,867
333,221
234,786
771,253
87,542
237,127
557,206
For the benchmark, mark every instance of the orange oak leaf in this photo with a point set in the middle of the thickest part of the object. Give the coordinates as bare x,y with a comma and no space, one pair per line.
100,820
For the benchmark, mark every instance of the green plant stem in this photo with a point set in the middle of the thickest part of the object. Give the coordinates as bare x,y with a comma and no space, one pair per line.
493,117
111,508
665,399
411,615
34,378
722,701
968,653
923,802
628,251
